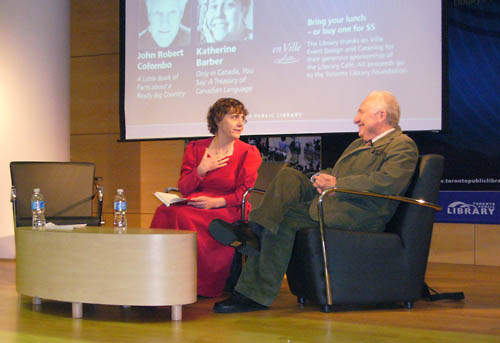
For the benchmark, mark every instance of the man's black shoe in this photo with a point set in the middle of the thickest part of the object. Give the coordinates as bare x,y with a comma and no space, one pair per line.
238,303
238,235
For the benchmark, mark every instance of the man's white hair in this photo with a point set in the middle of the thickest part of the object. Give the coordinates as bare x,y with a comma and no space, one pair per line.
386,101
181,3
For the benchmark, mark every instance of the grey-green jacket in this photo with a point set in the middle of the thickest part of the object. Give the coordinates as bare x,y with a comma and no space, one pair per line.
385,168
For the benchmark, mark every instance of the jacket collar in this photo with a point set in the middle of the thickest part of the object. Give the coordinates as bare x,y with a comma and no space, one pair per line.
359,144
389,137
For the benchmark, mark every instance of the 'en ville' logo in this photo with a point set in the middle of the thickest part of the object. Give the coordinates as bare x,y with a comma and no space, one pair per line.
287,51
476,208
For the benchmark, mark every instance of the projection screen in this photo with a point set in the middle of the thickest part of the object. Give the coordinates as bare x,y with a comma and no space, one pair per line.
300,67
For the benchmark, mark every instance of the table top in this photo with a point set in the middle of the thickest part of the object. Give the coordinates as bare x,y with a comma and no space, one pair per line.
111,231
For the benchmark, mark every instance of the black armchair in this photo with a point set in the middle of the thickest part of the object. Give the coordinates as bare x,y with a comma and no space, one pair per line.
68,188
333,267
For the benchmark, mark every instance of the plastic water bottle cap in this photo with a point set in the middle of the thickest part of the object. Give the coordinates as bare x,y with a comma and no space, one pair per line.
36,190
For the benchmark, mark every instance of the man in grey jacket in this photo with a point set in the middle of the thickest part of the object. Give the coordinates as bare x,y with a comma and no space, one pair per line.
382,160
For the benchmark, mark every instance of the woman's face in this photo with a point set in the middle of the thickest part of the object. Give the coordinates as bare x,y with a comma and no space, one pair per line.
231,126
225,19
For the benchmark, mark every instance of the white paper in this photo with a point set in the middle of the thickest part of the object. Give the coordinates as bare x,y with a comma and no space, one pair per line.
169,198
70,227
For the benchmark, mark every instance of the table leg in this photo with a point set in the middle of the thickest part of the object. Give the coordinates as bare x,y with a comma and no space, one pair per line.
77,310
176,312
37,301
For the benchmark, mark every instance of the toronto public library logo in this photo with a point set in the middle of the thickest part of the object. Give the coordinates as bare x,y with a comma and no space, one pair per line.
476,208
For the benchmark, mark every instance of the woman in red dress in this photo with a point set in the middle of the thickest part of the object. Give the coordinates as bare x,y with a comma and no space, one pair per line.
215,173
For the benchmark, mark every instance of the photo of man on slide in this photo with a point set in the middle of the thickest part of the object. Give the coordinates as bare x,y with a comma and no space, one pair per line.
165,28
225,20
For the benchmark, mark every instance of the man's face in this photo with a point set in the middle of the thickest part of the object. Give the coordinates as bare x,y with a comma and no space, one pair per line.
164,20
225,19
369,119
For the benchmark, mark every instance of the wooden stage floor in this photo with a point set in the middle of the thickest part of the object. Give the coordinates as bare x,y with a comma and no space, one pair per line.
476,319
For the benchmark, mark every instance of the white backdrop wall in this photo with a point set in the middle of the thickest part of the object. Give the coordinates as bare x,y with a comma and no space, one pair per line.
34,93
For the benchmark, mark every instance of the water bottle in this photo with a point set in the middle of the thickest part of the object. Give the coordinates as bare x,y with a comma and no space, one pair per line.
120,207
38,210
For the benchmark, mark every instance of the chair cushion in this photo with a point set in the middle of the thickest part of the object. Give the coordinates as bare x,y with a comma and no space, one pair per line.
376,263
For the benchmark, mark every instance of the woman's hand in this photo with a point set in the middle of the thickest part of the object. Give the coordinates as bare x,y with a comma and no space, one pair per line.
206,203
209,163
323,181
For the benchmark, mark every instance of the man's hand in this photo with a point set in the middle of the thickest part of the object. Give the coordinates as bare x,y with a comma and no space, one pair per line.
323,181
206,202
209,163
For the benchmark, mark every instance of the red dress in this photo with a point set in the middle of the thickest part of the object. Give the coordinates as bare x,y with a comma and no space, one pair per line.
228,182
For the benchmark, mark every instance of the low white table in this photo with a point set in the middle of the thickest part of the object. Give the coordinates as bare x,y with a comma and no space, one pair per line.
140,267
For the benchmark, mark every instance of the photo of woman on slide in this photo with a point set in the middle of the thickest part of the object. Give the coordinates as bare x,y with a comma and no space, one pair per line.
225,20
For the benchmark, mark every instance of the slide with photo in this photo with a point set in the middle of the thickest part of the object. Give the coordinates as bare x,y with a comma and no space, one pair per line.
300,67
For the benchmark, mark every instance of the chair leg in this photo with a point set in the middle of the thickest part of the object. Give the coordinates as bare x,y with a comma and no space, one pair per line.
409,304
301,300
326,308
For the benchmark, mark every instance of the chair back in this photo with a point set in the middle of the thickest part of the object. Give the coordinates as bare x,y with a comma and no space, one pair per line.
414,223
68,189
266,173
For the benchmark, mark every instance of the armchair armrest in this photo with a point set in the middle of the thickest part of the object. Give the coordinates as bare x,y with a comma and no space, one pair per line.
100,196
419,202
13,197
245,199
